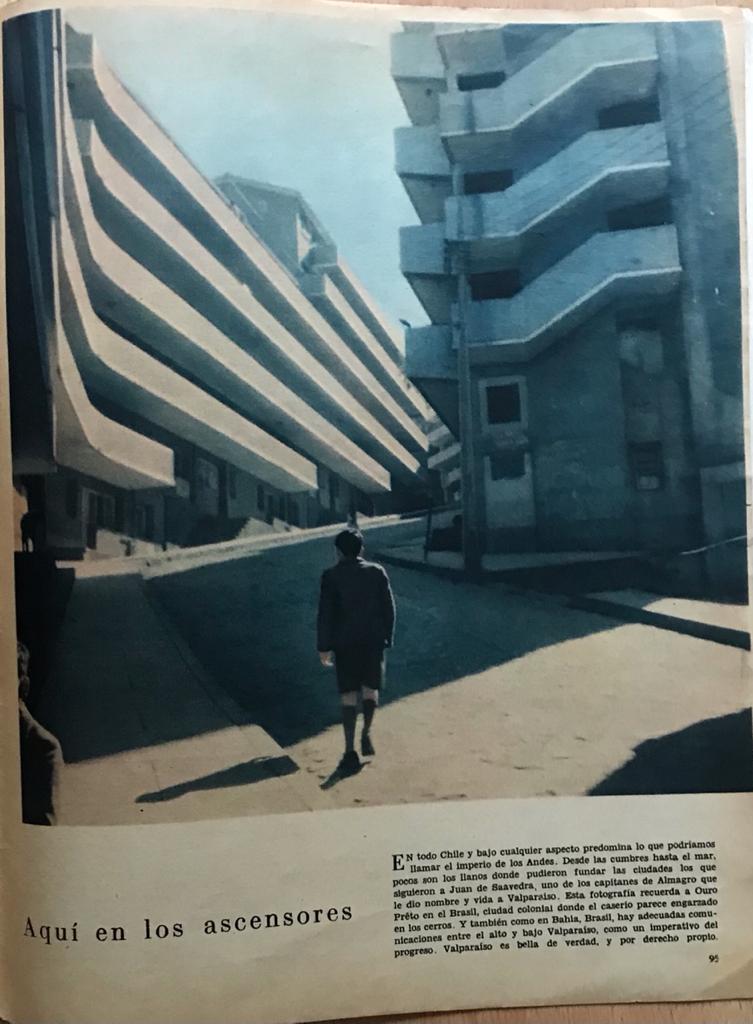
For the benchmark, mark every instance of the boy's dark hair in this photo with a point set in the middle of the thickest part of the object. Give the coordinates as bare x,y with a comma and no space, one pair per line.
349,543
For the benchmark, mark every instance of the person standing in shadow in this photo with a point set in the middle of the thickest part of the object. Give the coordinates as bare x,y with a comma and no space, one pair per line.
41,756
355,625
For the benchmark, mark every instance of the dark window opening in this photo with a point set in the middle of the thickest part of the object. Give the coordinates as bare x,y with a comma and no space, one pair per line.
495,284
622,115
640,215
71,498
507,465
293,512
149,522
91,521
476,182
100,511
281,507
503,403
647,465
182,463
106,511
232,483
481,80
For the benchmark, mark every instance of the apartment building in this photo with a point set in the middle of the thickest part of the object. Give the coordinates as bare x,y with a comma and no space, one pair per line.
183,368
578,259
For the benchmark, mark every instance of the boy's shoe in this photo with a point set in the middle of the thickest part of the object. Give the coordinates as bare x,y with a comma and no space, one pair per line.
350,763
367,747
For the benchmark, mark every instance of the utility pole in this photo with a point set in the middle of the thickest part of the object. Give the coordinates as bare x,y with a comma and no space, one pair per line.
467,403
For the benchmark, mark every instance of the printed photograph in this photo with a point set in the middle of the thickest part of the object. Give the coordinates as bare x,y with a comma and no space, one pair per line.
376,394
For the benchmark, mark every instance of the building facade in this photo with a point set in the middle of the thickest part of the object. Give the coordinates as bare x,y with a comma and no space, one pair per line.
444,461
578,258
182,370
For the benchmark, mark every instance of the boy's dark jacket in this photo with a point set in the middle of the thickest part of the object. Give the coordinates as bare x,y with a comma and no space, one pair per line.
356,607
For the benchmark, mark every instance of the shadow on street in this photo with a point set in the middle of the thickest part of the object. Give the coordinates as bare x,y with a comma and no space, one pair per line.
257,770
711,756
251,623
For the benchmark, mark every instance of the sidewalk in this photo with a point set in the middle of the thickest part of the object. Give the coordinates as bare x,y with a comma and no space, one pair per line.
576,580
146,735
497,566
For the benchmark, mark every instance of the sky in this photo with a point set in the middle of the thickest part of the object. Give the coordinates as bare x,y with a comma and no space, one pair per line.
296,100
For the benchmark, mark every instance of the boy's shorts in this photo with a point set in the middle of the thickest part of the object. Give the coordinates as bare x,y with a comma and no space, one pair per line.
358,667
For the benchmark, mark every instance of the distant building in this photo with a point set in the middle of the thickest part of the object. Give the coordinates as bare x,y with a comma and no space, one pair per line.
184,367
577,192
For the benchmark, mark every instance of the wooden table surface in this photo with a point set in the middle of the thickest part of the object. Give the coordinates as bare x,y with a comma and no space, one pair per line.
738,1011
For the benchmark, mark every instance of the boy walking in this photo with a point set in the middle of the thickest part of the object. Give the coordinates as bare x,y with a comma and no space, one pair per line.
355,625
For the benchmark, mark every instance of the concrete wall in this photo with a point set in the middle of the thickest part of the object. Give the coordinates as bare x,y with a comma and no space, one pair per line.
85,517
704,179
581,479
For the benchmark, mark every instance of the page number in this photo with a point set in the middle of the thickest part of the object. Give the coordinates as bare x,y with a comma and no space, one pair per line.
713,958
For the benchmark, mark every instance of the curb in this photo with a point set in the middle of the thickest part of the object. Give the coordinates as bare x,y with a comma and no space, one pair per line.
443,571
687,627
725,635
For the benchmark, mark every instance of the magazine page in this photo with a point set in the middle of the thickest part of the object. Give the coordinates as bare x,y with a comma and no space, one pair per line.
374,511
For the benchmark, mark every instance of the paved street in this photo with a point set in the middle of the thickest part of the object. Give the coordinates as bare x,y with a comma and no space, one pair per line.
489,694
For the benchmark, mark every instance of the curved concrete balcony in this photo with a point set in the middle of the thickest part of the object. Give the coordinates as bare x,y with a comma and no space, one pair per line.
590,69
385,332
140,384
432,363
385,342
452,477
332,304
297,337
617,165
89,442
640,263
418,72
445,458
143,306
429,353
423,263
422,164
137,222
440,436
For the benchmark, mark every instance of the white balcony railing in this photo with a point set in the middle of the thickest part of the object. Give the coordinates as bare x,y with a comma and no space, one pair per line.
445,457
422,261
415,55
590,69
429,354
422,250
419,74
298,334
152,391
621,164
419,152
422,164
642,262
140,303
331,302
